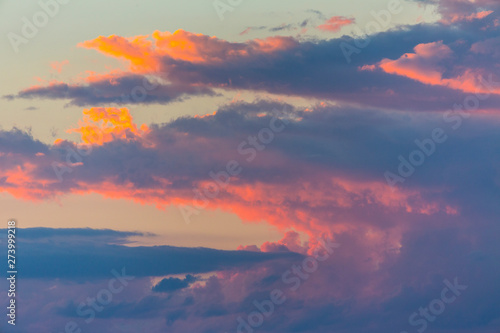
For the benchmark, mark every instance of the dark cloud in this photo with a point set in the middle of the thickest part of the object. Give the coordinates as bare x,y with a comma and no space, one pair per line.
172,284
76,235
19,141
55,254
83,233
316,19
351,291
114,90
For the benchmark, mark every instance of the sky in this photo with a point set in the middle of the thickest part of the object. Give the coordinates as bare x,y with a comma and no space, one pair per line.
265,166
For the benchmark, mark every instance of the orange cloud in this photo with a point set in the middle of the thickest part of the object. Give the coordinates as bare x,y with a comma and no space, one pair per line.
326,207
137,50
335,23
320,209
145,52
100,125
421,65
21,182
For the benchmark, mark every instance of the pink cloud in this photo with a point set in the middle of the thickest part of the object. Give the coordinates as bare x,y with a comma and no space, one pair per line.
246,31
456,11
469,18
335,23
58,65
427,65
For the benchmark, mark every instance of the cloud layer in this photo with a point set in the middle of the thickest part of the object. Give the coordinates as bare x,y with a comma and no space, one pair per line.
182,64
396,159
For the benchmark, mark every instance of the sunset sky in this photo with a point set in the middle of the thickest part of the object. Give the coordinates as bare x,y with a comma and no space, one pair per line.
252,166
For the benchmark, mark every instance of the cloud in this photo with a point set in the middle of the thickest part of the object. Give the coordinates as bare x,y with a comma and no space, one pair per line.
83,255
339,156
290,242
335,23
104,235
426,65
184,64
457,11
100,125
321,177
147,64
351,291
471,17
146,55
288,27
59,65
489,47
421,65
249,29
397,244
113,89
172,284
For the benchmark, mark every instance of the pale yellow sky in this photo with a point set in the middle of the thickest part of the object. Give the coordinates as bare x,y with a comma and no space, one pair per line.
214,229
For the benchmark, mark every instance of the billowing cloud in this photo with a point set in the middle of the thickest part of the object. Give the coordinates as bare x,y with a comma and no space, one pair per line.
339,157
348,285
426,65
100,125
